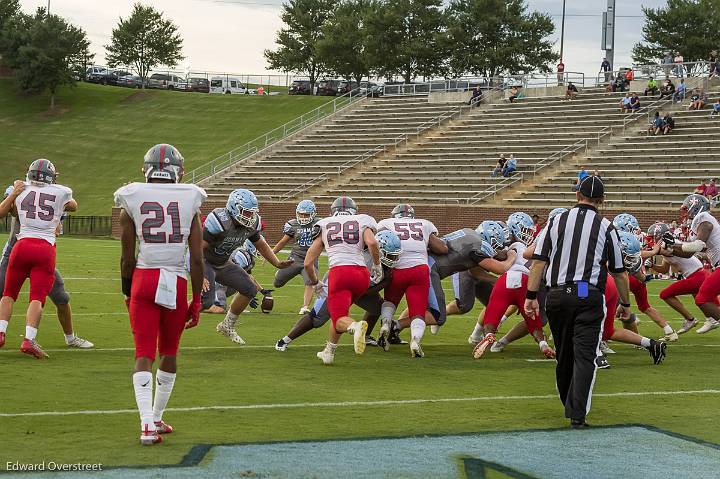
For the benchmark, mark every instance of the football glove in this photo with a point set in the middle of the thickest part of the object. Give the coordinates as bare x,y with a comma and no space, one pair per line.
253,302
193,314
669,240
376,274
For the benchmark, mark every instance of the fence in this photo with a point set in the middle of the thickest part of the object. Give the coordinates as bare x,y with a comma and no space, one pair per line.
659,71
261,143
533,80
75,225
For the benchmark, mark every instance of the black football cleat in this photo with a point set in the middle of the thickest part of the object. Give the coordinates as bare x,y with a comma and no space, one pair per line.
657,351
602,363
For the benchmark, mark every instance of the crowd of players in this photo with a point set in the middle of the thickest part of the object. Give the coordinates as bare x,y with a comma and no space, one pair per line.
372,264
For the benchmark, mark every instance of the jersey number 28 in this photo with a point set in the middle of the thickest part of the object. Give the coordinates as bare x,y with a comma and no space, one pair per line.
158,220
338,233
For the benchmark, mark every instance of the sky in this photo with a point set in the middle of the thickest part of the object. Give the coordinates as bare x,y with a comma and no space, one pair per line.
230,35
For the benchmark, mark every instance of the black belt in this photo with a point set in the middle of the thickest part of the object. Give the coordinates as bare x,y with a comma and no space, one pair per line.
572,288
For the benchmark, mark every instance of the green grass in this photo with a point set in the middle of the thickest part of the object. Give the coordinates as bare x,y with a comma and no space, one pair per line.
98,135
225,374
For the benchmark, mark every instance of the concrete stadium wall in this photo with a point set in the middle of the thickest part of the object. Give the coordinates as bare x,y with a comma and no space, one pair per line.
446,218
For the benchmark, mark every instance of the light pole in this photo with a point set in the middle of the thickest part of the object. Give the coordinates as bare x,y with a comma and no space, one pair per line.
48,10
562,32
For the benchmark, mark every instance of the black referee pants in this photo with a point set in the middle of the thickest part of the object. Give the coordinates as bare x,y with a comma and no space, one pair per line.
576,325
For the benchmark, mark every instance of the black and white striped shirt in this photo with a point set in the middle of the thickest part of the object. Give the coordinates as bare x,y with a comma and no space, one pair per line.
579,245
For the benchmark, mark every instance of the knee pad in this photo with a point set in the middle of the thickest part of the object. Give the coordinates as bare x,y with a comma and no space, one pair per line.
318,321
464,307
60,299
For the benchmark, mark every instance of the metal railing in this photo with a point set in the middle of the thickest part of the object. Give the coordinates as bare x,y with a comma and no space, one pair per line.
269,139
659,71
532,80
493,190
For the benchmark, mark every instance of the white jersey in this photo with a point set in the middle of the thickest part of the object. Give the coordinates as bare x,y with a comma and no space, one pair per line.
713,241
342,236
39,209
520,263
163,214
685,266
414,237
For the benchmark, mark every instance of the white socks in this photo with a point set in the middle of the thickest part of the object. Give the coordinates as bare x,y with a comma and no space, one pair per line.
417,329
667,329
286,340
330,347
164,386
3,326
231,318
30,333
478,331
645,342
143,384
69,338
543,345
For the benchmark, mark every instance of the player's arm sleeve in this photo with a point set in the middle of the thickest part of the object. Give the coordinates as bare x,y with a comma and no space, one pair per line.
430,229
212,227
289,230
369,222
614,254
543,243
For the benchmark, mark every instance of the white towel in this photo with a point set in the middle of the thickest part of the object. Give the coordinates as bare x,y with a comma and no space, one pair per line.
166,293
513,279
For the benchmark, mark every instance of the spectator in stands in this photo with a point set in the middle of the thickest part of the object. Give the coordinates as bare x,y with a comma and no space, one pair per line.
679,69
561,73
500,166
514,94
700,190
667,90
667,63
536,223
668,123
681,91
629,76
605,68
697,100
652,87
582,174
656,124
620,83
476,96
571,92
711,192
715,69
634,103
510,166
715,109
625,103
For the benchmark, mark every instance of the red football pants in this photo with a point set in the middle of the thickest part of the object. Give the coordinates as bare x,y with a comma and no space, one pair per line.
639,290
32,258
710,288
690,285
414,283
154,327
503,297
611,303
345,285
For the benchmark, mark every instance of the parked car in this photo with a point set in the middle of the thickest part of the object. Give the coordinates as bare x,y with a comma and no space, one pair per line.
166,81
131,81
201,85
366,87
346,86
226,85
376,91
300,87
95,74
328,88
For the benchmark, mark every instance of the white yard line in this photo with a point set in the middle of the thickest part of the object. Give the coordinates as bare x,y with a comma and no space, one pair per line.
303,405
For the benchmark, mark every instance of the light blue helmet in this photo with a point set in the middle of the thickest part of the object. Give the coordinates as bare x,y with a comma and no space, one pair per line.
522,227
630,246
390,247
243,207
305,207
556,211
493,234
626,222
250,248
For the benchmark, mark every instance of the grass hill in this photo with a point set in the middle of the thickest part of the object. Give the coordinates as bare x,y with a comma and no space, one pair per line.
97,135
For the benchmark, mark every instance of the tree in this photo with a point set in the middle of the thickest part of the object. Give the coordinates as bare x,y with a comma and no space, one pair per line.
298,41
405,38
342,46
8,9
495,37
41,49
685,26
144,40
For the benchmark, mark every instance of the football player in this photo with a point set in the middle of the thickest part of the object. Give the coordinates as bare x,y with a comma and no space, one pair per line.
411,274
58,295
344,236
704,236
468,251
38,203
225,230
370,301
694,275
163,217
302,230
627,223
509,290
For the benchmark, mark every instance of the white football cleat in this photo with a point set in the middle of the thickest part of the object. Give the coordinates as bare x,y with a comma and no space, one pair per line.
709,325
434,328
80,343
326,356
150,438
415,349
227,329
671,338
605,349
281,346
359,336
687,326
497,347
486,342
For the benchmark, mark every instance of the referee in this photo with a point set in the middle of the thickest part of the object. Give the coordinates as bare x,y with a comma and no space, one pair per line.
574,252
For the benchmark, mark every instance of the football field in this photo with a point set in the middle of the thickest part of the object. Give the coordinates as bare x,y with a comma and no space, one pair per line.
416,417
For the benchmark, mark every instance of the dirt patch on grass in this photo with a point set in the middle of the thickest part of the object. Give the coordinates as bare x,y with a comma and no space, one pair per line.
140,95
56,112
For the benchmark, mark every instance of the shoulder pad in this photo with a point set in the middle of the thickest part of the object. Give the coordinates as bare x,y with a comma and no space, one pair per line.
221,213
213,223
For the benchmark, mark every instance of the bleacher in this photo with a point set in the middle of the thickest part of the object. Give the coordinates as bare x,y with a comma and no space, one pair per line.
454,163
373,123
643,171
